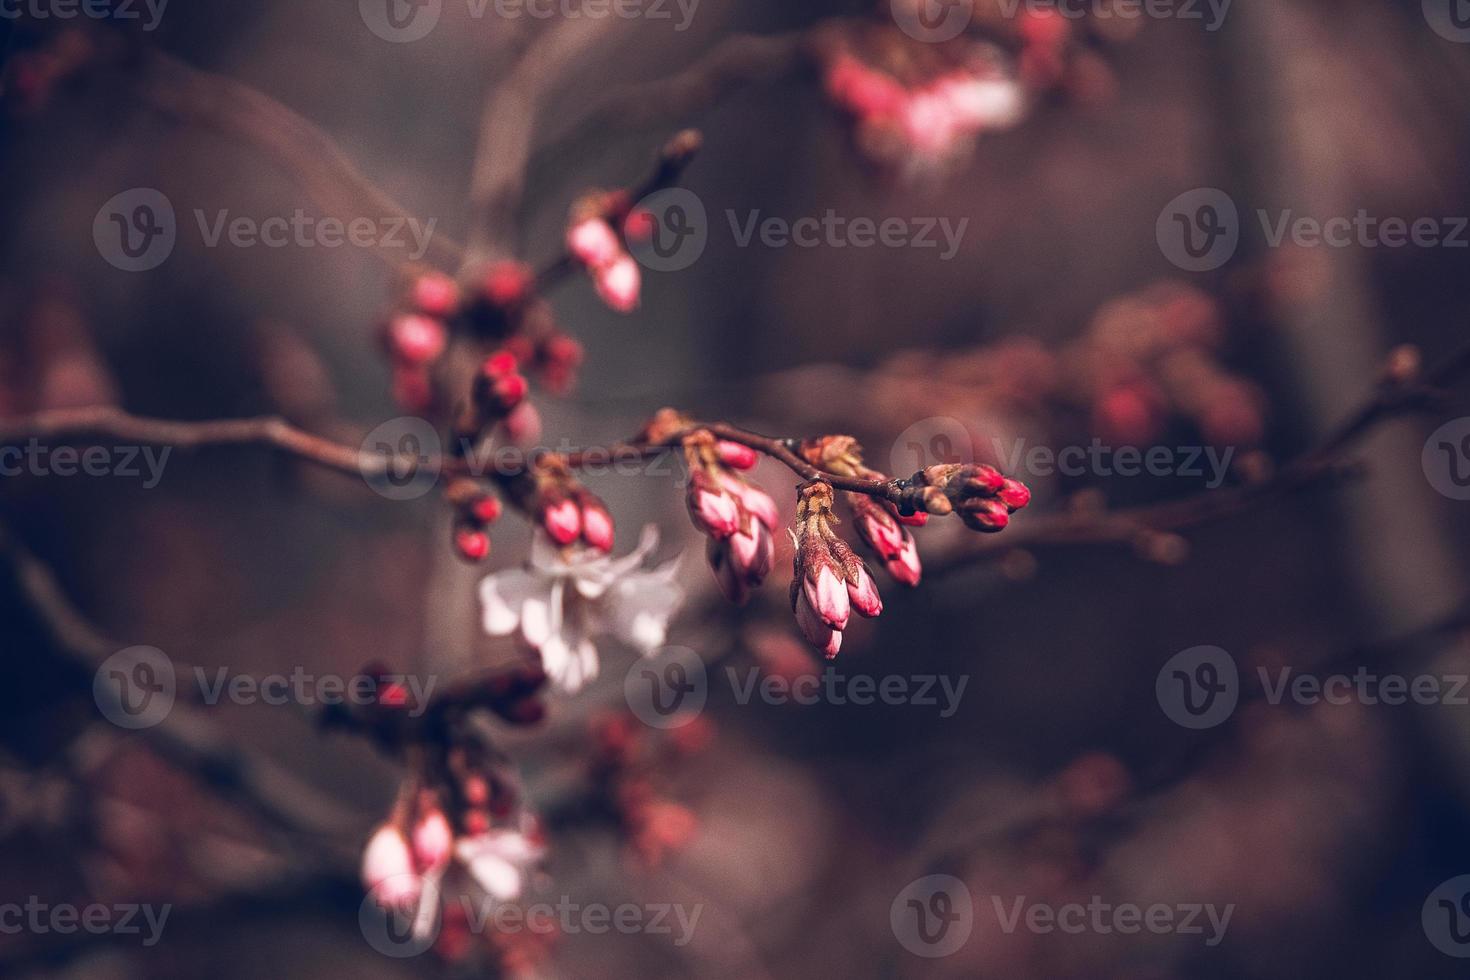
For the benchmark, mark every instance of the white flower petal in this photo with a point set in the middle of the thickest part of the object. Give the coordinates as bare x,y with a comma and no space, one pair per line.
503,594
640,606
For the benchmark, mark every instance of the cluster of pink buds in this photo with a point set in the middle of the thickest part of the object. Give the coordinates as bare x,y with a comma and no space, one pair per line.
931,118
981,495
830,581
409,850
417,335
475,509
565,510
738,517
883,530
594,243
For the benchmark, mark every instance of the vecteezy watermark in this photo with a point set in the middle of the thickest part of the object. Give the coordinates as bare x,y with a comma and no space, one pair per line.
1450,19
402,21
933,916
833,230
1446,917
1104,918
937,21
397,934
137,687
34,458
673,231
919,690
137,230
148,11
402,459
1096,459
1446,459
1210,12
1200,687
120,919
1200,230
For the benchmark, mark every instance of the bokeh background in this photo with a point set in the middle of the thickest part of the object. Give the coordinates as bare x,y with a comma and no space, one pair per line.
1059,319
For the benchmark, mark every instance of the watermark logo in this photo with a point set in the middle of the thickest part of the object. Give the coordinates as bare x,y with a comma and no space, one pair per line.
1204,463
931,442
1211,12
136,230
667,690
123,919
1105,918
934,21
837,231
1450,19
44,10
401,458
1199,687
1446,917
135,688
933,917
674,230
35,458
400,21
941,691
1199,230
398,931
1446,459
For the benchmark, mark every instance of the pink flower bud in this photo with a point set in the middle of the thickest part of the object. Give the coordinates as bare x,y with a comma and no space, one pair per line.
432,840
827,594
388,870
817,633
878,527
752,553
473,545
507,284
563,521
756,501
415,339
987,516
732,584
593,243
597,524
1015,494
736,456
863,593
904,566
523,425
435,294
713,511
619,283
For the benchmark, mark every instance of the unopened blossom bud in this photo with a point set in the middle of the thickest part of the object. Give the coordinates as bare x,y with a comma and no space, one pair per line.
562,521
415,339
597,523
988,516
877,526
593,243
752,551
472,544
559,356
507,285
619,283
920,518
735,455
982,479
1015,494
816,631
905,566
713,511
435,294
523,425
433,840
388,869
822,582
732,584
756,501
639,225
485,510
862,593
